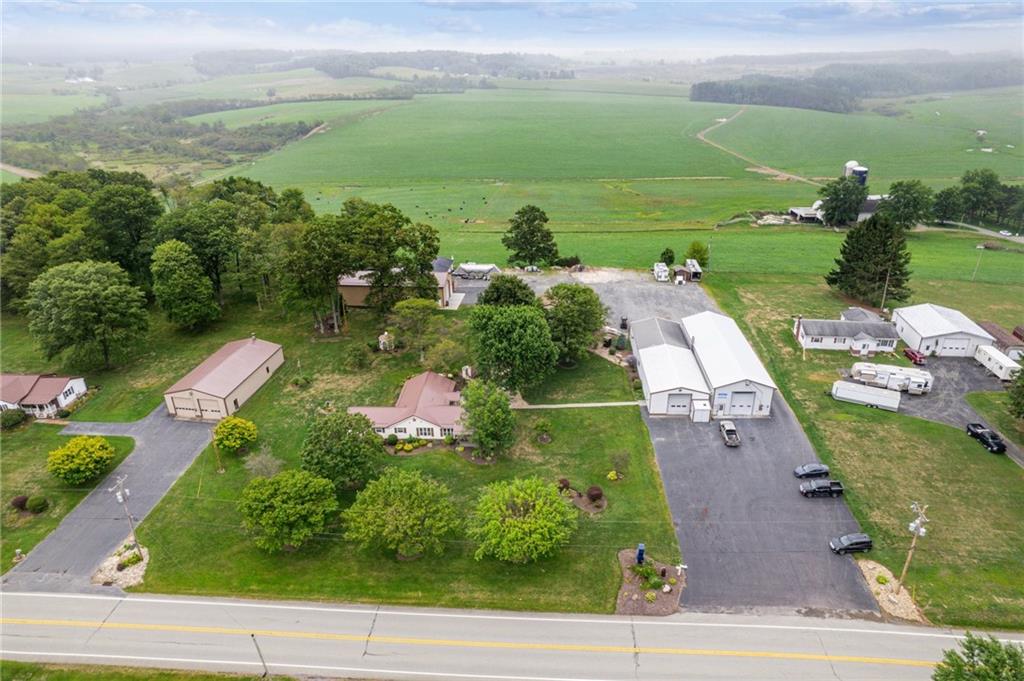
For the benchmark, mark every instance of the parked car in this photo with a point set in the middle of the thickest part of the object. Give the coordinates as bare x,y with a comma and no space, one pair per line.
850,543
915,356
987,437
729,433
811,470
821,488
1005,232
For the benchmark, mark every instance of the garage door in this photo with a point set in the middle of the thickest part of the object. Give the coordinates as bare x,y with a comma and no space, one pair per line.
184,406
741,404
211,409
679,404
954,347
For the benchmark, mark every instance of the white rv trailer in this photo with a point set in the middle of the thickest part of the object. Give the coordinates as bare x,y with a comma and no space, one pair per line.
998,363
661,272
905,379
880,398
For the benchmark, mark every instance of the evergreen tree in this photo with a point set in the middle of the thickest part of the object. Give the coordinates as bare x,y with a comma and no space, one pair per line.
873,263
529,238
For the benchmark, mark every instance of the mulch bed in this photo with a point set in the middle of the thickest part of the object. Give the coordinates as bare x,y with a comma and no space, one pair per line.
631,599
583,503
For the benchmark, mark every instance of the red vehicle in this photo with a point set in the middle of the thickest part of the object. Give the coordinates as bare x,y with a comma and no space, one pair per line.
915,356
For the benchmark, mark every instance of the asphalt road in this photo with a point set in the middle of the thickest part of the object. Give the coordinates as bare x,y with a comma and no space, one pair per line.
404,643
69,555
750,540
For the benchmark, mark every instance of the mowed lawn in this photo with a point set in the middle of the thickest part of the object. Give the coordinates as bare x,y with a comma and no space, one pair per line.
33,671
23,471
994,408
198,545
967,571
592,379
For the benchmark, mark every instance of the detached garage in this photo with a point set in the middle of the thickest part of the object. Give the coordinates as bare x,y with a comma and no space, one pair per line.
225,380
739,384
671,378
937,330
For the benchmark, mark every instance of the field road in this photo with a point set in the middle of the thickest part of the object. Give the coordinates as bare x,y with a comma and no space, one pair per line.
757,165
20,172
408,643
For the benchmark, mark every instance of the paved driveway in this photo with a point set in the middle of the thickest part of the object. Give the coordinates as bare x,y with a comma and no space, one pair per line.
67,558
750,540
946,403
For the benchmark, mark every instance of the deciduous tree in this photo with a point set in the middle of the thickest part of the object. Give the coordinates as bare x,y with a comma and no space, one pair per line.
507,289
210,229
981,659
287,510
575,314
521,520
949,205
874,262
402,511
488,416
86,306
344,449
1016,396
123,219
700,252
80,460
909,203
529,238
181,289
842,199
512,345
416,319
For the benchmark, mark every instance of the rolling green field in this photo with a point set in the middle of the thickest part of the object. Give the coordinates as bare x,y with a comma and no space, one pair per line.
7,176
32,108
334,113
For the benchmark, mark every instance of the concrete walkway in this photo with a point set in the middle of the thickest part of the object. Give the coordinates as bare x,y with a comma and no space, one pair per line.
67,558
578,405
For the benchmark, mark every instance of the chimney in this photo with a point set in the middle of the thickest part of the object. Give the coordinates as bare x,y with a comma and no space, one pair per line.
252,337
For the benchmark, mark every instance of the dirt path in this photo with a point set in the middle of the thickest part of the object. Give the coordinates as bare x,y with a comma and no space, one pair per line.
972,228
320,128
755,165
20,172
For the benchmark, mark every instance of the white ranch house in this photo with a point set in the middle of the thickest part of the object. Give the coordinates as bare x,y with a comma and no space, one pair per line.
38,395
859,337
429,407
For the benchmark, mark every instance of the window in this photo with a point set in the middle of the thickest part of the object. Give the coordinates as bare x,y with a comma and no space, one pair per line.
445,432
400,431
378,430
235,402
424,432
268,370
816,339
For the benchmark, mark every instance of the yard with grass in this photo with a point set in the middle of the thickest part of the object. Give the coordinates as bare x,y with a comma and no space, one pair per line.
966,572
994,407
33,671
592,379
23,471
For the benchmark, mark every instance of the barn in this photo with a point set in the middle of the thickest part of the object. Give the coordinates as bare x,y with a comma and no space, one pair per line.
671,378
739,384
225,380
941,331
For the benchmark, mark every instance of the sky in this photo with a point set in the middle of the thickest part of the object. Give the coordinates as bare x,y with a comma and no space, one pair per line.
590,30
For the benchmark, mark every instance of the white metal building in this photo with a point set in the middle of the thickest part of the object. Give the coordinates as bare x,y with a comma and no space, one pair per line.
671,377
937,330
740,385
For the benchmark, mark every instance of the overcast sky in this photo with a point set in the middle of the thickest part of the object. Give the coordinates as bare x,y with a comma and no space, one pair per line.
686,30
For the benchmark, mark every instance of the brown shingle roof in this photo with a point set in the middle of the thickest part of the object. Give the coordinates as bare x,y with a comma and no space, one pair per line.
31,388
1004,339
428,396
224,370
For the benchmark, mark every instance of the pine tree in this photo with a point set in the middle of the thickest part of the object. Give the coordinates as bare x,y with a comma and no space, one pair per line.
874,263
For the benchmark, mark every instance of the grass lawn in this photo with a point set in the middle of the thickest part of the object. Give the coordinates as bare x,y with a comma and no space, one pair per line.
994,408
592,380
23,471
198,546
967,571
36,108
32,671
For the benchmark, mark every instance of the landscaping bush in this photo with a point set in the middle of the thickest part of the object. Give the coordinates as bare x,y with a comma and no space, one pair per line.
11,418
19,502
37,504
542,427
614,475
391,440
234,434
82,459
620,343
651,596
570,261
564,485
449,440
63,413
882,579
611,351
263,464
521,520
595,494
133,558
301,381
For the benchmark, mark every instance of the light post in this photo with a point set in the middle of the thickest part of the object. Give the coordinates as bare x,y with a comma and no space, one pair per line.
917,529
121,493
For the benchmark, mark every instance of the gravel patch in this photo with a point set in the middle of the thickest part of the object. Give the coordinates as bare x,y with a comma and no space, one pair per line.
900,606
109,575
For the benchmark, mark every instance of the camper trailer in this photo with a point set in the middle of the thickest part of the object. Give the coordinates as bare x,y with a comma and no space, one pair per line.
692,269
990,357
904,379
660,271
879,398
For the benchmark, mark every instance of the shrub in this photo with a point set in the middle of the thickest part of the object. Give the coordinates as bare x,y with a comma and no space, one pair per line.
301,381
620,343
402,511
488,414
11,418
645,572
19,502
391,439
286,510
570,261
882,579
564,484
37,504
595,493
673,581
651,596
263,464
542,426
449,440
234,434
656,584
611,351
82,459
133,558
614,475
521,520
63,413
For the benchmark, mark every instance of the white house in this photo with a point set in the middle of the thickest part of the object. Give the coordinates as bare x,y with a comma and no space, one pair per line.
937,330
41,396
429,407
671,378
740,385
859,337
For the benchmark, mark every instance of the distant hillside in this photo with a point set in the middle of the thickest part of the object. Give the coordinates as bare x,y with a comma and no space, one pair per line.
839,87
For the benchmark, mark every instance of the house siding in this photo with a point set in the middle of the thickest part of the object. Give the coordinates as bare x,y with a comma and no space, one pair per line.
195,404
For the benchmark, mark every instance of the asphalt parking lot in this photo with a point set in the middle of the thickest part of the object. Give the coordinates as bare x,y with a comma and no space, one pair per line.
749,539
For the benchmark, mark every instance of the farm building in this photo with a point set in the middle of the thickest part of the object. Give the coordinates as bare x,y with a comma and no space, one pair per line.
429,407
671,378
225,380
41,396
814,213
1007,343
473,270
937,330
859,337
355,289
740,385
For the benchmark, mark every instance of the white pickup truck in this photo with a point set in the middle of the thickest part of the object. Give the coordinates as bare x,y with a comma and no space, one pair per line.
729,433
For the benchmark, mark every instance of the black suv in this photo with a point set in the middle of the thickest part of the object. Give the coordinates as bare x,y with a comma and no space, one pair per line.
850,543
987,437
821,488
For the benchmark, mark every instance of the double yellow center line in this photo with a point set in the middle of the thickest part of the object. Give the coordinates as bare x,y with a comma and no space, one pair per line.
457,643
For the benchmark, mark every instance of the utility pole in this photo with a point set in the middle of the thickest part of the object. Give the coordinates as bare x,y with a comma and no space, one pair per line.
266,672
885,289
981,250
917,529
121,493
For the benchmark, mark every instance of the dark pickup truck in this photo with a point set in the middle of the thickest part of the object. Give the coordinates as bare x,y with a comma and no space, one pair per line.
821,488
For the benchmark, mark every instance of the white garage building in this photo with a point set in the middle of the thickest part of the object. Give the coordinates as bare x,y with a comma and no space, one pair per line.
225,380
740,385
937,330
671,377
